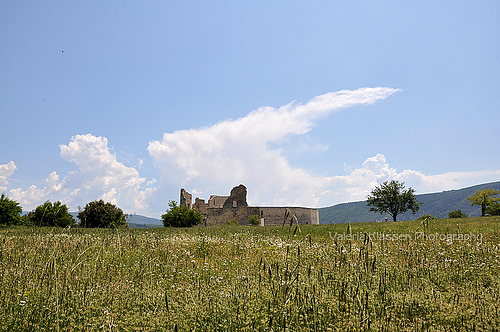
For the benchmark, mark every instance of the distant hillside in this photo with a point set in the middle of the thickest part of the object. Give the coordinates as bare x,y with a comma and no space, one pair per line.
436,204
136,221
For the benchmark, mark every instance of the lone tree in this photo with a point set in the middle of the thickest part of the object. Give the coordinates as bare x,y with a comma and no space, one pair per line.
484,198
390,197
102,215
180,216
10,211
48,214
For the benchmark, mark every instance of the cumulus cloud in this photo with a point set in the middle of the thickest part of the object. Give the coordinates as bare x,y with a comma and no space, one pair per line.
99,176
375,170
212,160
33,195
238,151
6,171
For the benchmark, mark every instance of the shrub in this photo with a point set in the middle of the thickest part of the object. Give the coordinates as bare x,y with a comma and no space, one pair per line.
48,214
427,217
26,220
232,222
254,220
181,216
102,215
457,214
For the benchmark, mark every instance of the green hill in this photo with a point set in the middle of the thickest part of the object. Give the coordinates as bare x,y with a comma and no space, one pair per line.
435,204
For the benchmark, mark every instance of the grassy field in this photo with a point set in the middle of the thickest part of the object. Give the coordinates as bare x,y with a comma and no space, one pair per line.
405,276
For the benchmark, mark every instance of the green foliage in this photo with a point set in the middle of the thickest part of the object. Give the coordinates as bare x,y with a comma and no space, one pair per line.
390,197
48,214
98,214
181,216
435,204
484,198
493,209
427,217
457,214
26,219
254,220
232,222
10,211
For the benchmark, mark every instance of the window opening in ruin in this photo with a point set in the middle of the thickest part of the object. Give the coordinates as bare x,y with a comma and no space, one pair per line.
235,204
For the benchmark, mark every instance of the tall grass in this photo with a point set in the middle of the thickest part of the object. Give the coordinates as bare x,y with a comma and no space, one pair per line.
252,278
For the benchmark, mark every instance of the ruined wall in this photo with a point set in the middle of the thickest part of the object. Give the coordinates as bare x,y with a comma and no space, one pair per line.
221,209
200,205
233,208
275,215
216,201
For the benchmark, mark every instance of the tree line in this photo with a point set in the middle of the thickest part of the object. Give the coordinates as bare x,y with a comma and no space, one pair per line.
390,197
94,214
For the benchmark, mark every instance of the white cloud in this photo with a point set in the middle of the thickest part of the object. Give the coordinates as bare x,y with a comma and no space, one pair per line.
6,171
213,159
99,176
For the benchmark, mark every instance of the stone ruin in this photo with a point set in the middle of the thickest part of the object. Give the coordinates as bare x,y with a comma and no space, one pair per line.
221,209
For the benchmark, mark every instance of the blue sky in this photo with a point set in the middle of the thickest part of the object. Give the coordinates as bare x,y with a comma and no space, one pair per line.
306,103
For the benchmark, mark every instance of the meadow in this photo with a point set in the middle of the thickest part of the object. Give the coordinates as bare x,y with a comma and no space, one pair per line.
438,275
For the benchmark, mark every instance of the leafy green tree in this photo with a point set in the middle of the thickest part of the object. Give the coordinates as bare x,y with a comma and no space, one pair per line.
457,214
10,211
180,216
48,214
493,209
254,220
484,198
102,215
391,197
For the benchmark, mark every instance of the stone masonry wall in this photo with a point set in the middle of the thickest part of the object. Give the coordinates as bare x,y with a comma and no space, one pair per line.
276,215
221,209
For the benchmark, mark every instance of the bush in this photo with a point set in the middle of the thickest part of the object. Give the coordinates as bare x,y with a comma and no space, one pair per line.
457,214
101,215
254,220
181,216
48,214
10,211
232,222
427,217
